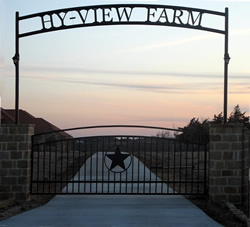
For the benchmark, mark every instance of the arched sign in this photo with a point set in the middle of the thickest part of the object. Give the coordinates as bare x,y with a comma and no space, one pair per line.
121,14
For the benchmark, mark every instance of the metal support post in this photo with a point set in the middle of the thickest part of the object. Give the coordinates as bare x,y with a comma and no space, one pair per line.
226,62
16,59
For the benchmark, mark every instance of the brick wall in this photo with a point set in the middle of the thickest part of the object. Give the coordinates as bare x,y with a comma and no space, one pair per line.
15,159
228,167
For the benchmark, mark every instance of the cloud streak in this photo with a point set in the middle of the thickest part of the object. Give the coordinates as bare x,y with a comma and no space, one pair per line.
82,71
167,88
209,83
160,119
158,45
165,44
171,88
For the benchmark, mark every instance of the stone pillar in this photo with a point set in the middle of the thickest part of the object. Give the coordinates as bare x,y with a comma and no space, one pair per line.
246,165
15,161
228,167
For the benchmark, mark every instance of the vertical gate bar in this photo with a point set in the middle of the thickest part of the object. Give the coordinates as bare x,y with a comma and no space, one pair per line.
181,165
79,165
174,177
198,179
120,183
61,171
125,142
114,176
205,168
103,138
38,167
43,175
114,183
73,166
139,147
91,163
169,150
193,167
156,160
50,157
108,170
120,172
150,165
55,168
126,172
133,152
32,164
162,163
126,184
207,164
97,151
85,166
186,175
67,166
144,166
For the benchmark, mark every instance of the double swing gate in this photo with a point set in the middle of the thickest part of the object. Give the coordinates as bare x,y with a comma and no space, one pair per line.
172,162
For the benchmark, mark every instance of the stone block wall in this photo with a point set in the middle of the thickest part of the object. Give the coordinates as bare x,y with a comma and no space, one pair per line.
15,161
228,167
245,164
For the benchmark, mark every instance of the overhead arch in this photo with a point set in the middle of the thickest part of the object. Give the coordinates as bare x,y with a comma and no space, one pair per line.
121,14
125,14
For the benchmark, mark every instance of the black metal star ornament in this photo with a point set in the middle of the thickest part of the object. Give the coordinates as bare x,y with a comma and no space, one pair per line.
117,158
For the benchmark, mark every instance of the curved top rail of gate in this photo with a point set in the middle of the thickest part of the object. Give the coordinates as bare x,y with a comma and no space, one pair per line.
121,14
107,126
160,132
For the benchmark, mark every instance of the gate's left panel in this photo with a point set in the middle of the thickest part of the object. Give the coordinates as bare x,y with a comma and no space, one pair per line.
56,161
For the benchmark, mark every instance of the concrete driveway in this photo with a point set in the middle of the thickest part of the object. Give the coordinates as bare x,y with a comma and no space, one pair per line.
113,210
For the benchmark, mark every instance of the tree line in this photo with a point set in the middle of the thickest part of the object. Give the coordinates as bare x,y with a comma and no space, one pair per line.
201,127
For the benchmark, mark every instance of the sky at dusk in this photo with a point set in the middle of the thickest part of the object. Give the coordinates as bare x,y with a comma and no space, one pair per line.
125,74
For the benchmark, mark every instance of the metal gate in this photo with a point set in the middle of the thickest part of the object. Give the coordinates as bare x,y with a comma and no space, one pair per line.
166,163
